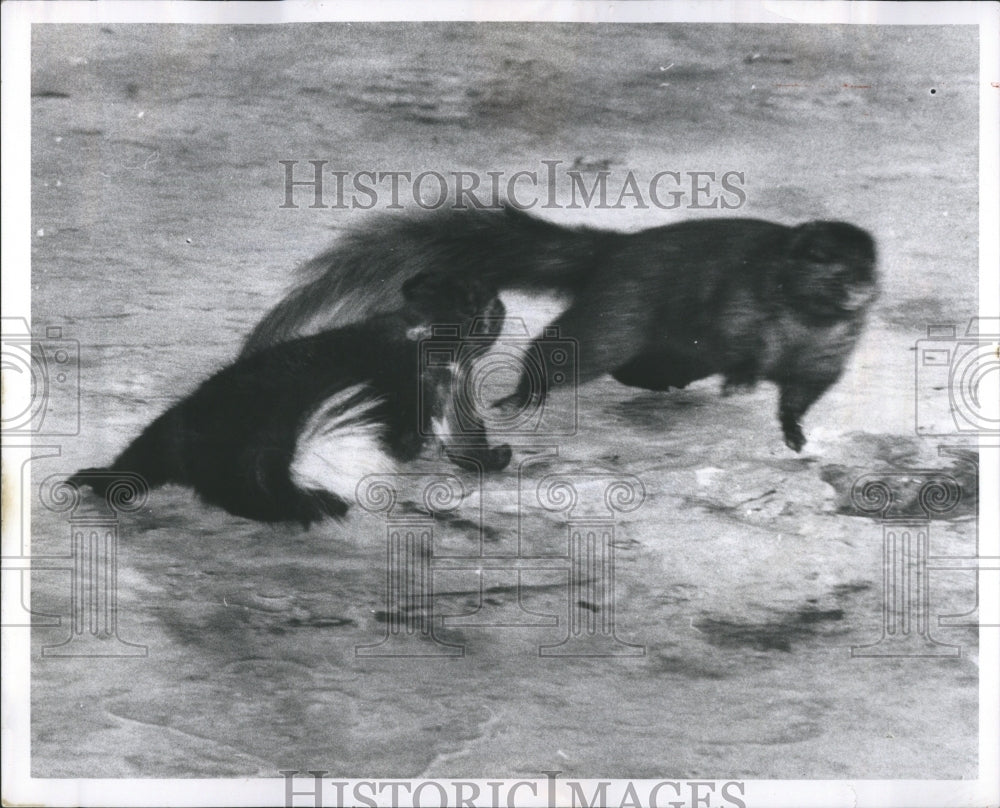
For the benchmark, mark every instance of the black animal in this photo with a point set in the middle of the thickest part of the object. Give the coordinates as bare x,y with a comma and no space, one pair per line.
746,298
287,433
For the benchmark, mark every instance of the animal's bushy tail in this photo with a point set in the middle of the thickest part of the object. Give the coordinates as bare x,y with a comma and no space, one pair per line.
358,277
363,274
148,461
292,316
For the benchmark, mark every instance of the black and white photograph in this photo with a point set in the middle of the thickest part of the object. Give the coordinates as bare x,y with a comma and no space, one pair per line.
452,404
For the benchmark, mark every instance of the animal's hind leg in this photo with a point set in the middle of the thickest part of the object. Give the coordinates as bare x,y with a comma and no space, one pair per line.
740,377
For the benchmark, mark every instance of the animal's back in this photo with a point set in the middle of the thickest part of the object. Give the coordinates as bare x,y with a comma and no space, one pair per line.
667,286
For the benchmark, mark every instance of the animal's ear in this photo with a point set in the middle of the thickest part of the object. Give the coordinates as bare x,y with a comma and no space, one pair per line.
797,259
826,242
808,242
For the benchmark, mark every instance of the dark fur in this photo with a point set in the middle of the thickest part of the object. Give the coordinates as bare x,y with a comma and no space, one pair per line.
660,308
744,298
233,438
363,273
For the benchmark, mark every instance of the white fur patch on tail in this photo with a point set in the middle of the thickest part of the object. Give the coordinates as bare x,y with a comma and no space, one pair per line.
341,443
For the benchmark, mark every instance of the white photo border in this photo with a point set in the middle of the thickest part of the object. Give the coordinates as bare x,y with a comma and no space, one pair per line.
17,19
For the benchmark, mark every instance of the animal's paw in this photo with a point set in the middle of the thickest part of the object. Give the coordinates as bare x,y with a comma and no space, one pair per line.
498,458
794,439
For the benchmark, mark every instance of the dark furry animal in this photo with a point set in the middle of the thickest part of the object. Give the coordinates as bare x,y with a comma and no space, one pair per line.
746,298
286,434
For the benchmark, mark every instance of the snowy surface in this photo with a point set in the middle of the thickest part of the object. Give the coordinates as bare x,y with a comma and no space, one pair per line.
745,575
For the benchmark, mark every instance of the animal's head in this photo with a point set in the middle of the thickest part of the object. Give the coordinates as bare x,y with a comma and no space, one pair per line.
443,299
830,269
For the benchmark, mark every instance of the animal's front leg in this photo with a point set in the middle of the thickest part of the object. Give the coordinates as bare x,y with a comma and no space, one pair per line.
797,396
